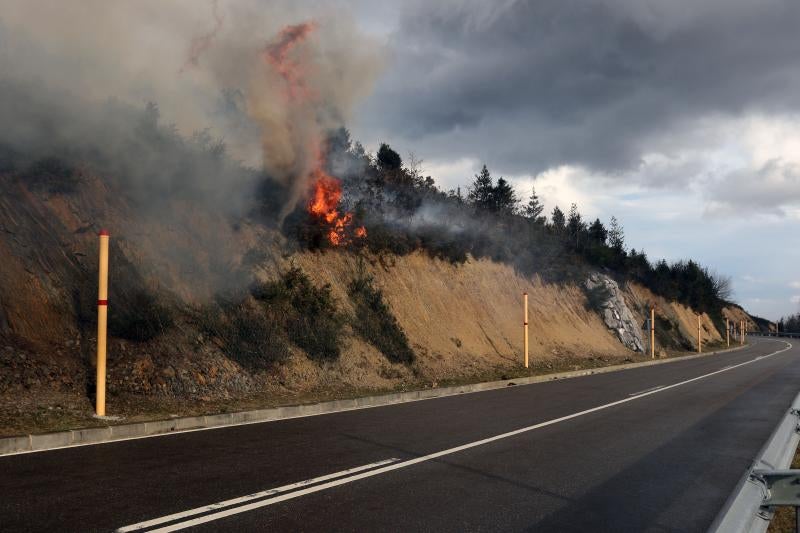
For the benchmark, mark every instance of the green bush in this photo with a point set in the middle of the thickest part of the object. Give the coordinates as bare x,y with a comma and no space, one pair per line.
375,322
308,314
246,333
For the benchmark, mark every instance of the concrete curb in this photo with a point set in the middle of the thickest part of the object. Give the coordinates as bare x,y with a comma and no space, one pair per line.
97,435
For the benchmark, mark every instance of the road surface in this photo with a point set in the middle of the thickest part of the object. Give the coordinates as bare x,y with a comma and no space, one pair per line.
656,448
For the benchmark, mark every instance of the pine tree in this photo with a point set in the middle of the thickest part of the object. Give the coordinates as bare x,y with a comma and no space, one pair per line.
388,159
616,237
533,209
558,219
504,199
574,225
481,192
598,233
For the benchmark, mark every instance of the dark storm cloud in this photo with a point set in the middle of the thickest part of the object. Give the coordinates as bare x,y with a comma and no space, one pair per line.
537,83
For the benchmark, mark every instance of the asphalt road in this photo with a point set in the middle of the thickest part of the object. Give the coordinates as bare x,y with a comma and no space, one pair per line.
650,449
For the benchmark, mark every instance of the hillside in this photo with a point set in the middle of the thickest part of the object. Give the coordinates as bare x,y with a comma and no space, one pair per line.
198,305
230,284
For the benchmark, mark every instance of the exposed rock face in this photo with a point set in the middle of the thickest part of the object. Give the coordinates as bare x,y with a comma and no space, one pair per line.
605,295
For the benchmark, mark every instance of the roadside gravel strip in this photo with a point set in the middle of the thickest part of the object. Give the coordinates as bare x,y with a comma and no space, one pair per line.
115,433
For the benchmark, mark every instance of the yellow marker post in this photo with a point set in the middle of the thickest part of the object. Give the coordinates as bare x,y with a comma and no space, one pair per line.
699,337
525,325
102,322
652,332
727,333
741,332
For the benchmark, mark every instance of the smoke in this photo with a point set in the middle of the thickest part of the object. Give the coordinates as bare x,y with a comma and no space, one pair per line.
269,78
296,87
202,43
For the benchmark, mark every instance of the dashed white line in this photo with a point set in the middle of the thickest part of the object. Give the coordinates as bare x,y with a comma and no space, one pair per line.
398,465
651,389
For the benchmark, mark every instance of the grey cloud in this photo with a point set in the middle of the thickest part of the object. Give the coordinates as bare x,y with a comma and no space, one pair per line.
771,188
536,83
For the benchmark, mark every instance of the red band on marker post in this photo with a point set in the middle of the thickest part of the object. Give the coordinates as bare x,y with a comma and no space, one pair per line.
102,302
104,233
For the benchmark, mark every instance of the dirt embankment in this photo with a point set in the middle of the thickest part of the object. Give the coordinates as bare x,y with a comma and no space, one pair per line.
735,315
462,321
467,319
676,324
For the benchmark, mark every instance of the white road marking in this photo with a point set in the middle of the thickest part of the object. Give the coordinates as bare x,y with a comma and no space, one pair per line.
646,390
250,497
398,465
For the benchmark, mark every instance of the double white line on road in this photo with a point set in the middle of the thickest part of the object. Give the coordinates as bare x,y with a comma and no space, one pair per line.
244,499
374,469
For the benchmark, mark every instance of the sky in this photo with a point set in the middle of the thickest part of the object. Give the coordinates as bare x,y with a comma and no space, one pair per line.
679,117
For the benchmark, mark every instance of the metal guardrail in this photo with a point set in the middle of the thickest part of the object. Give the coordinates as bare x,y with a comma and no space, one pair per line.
783,334
783,490
750,508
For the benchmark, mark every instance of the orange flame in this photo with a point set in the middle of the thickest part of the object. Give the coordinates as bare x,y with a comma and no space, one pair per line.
285,55
324,205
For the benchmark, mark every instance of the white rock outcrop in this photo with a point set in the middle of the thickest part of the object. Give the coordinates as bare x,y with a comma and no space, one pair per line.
606,296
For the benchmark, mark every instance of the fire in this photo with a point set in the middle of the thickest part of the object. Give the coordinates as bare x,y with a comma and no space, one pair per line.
327,193
324,205
278,55
287,57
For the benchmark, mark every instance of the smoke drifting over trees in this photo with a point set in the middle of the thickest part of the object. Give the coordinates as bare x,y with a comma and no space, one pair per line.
404,212
269,81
